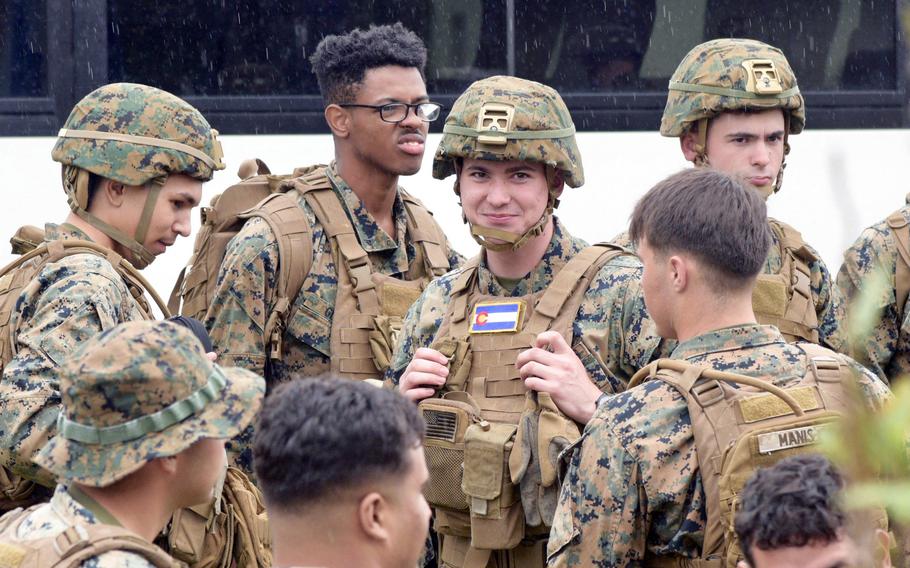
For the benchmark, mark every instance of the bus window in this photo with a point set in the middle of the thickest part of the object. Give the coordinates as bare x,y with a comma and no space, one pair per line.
23,49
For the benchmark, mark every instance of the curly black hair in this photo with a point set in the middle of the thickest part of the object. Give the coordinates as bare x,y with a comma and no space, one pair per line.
793,503
341,61
319,436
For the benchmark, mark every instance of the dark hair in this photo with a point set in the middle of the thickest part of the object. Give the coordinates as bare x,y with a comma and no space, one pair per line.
793,503
341,61
318,436
711,215
197,328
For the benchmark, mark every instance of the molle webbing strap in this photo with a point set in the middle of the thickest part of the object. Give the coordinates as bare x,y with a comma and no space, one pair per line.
735,93
146,424
800,318
291,229
426,234
461,287
898,224
566,282
213,162
510,135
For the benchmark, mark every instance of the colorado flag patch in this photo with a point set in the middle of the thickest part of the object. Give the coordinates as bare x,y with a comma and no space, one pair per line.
496,317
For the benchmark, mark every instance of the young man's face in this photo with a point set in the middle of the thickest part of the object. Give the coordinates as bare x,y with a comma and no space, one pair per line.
749,145
393,148
840,553
510,196
171,216
411,512
655,286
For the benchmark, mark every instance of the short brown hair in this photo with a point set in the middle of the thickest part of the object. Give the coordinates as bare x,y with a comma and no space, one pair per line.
710,215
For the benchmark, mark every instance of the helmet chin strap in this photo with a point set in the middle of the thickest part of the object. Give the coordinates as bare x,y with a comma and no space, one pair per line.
510,240
75,180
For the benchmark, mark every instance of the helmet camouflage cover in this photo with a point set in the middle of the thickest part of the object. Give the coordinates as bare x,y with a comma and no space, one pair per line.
134,133
731,74
506,118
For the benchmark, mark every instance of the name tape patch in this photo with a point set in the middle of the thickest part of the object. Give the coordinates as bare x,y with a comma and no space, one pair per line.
496,317
786,439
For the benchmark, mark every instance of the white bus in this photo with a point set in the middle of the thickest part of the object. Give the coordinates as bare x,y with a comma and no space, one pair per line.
244,64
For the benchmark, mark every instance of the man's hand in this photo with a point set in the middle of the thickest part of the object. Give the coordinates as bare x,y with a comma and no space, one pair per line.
552,367
426,373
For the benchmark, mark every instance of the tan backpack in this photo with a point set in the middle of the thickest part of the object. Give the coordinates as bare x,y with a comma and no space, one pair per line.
261,195
72,547
231,531
16,491
739,430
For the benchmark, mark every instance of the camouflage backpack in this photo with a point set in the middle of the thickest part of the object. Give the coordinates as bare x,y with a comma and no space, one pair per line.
264,196
72,547
739,430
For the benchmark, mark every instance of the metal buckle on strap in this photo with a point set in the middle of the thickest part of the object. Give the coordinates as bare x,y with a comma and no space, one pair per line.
708,393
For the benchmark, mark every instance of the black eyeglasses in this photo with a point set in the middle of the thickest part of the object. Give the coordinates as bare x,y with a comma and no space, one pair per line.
396,112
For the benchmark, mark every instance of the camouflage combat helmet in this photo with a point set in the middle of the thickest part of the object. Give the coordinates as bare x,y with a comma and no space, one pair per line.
140,391
506,118
729,75
135,135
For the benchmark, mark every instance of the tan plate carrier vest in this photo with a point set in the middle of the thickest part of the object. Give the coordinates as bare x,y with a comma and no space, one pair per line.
370,306
16,491
73,546
785,299
898,223
737,431
471,430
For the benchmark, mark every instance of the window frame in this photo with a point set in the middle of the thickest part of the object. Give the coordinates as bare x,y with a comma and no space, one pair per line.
77,64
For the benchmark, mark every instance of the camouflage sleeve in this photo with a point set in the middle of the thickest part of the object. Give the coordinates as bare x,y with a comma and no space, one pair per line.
420,325
875,392
456,259
614,334
886,348
85,297
631,485
829,307
244,297
117,559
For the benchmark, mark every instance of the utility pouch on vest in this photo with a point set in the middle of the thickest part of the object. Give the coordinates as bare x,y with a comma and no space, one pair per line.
447,420
202,536
395,300
458,352
497,520
543,433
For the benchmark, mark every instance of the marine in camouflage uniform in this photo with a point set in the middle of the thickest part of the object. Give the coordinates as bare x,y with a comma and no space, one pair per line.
136,393
741,75
633,493
598,324
375,143
882,248
121,133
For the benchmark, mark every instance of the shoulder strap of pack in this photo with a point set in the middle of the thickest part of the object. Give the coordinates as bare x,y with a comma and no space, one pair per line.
575,273
75,545
289,224
792,240
800,318
318,192
57,249
426,234
704,389
898,224
460,290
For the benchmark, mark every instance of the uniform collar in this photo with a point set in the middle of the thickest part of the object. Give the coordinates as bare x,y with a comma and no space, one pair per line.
563,246
64,231
73,505
372,237
728,339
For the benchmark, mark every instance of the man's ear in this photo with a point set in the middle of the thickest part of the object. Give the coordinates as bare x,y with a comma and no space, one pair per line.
742,564
339,120
883,548
112,192
167,464
374,516
687,143
679,271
